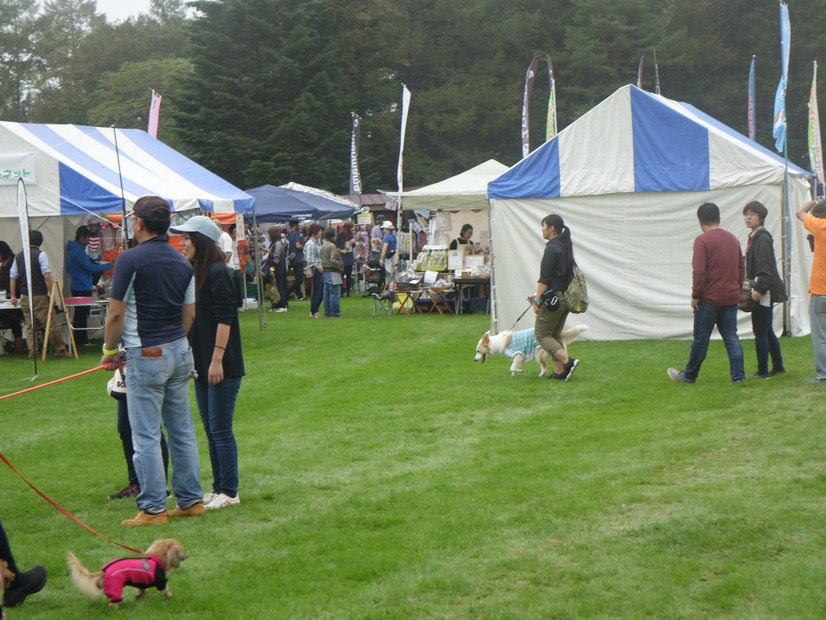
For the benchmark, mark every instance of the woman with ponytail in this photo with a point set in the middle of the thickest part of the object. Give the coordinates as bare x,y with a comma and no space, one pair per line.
555,274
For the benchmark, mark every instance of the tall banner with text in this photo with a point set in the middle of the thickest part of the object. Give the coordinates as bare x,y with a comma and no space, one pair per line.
526,100
405,112
355,176
815,145
154,115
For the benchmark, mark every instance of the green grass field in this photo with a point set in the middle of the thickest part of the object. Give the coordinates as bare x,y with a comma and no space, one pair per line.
385,475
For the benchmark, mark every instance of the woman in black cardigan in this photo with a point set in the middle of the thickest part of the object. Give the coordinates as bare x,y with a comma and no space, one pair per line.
215,339
768,289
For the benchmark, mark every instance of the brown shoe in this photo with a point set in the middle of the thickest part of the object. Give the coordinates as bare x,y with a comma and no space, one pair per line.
63,353
196,510
145,518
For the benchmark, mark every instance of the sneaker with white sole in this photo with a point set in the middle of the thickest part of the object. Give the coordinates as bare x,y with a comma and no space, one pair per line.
569,368
222,500
208,497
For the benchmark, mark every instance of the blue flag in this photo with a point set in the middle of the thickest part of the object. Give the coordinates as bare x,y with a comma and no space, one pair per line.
779,128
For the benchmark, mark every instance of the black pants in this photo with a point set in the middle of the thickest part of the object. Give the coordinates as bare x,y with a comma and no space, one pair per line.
347,280
240,283
5,550
80,319
125,432
298,279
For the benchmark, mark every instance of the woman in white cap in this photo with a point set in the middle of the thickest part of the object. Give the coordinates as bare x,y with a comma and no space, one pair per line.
215,339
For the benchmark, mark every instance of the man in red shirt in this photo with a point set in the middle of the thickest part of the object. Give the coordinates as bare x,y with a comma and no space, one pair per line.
718,271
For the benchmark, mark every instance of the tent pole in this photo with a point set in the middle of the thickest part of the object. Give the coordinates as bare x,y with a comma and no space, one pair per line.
259,285
787,247
124,226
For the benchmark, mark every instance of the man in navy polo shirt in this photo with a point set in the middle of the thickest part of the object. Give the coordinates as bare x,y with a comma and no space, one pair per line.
151,309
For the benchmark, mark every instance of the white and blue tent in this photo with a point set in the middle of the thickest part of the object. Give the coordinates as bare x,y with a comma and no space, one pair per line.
73,171
627,178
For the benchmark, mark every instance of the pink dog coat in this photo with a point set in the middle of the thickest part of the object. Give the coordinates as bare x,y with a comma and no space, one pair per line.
140,573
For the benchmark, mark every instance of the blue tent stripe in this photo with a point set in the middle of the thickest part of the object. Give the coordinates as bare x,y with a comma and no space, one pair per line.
536,176
76,189
671,151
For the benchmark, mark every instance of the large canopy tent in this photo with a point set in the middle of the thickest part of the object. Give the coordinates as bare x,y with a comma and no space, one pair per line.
287,203
627,178
465,193
73,171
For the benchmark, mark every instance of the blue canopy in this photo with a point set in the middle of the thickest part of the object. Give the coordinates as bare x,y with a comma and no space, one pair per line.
281,204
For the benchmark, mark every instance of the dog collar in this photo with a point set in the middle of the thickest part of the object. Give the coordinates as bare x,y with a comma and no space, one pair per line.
152,556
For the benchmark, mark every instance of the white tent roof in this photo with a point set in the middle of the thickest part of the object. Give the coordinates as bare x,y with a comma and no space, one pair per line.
467,190
74,170
627,178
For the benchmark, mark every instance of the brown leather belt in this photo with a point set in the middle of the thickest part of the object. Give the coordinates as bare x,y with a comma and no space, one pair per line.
152,352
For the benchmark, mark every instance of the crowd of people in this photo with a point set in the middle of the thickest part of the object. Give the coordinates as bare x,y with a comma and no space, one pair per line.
174,317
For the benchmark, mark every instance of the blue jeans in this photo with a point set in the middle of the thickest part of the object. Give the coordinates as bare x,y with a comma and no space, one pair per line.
765,340
157,389
725,318
332,296
817,317
216,404
317,292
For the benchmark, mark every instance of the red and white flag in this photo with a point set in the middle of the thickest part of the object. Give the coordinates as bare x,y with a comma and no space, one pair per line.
154,115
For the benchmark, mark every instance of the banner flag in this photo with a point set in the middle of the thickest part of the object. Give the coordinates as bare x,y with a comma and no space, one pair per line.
405,111
550,127
656,75
355,176
815,145
154,114
751,108
779,128
526,98
639,71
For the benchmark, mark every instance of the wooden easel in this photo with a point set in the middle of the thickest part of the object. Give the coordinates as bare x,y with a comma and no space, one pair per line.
57,294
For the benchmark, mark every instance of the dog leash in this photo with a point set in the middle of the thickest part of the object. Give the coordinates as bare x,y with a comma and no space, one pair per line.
48,499
65,512
520,316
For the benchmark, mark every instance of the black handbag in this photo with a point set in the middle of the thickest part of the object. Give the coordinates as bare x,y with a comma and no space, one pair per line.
747,304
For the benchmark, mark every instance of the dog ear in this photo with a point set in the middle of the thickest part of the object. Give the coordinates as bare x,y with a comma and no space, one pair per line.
486,338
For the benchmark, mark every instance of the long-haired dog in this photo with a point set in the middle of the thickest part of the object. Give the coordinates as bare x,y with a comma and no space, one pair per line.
146,572
6,577
521,346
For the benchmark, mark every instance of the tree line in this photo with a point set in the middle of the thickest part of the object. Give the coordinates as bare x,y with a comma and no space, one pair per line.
262,91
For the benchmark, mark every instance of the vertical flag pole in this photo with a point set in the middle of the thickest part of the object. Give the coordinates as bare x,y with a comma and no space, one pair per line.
752,103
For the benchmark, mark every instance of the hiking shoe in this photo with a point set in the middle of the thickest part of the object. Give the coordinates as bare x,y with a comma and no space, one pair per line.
63,353
778,371
147,518
679,376
195,510
569,368
222,500
130,490
25,583
761,375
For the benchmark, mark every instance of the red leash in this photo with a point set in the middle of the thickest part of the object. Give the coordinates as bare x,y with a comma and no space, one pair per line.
56,381
64,511
60,508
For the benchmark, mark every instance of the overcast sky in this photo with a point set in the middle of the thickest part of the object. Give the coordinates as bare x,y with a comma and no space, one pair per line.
118,10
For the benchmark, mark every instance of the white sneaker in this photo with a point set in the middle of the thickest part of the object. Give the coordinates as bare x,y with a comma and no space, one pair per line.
208,497
222,500
281,310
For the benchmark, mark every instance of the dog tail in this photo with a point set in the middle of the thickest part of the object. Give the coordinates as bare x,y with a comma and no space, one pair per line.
572,333
85,581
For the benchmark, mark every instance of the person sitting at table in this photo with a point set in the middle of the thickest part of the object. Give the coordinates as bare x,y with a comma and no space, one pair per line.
463,238
82,270
11,318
